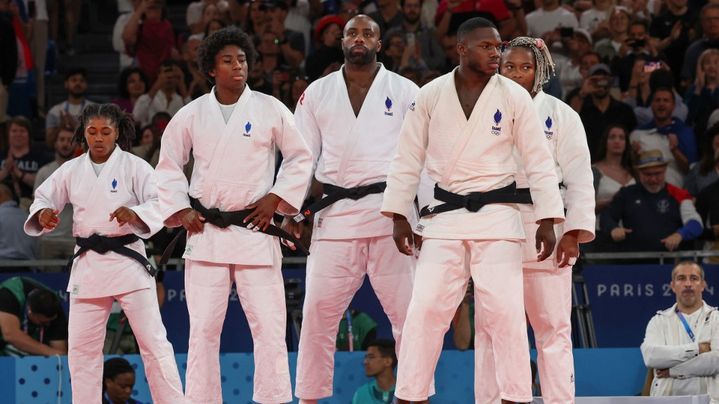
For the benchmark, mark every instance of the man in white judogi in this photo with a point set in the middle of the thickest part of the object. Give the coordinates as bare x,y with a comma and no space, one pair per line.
463,129
351,121
547,284
233,134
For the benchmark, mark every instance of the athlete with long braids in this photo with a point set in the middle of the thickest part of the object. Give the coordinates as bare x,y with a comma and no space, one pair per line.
114,196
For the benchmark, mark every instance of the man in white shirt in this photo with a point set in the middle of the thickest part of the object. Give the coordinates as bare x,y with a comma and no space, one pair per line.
548,18
168,94
679,342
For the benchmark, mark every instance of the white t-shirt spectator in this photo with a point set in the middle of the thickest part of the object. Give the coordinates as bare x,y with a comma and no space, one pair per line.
591,18
146,107
540,21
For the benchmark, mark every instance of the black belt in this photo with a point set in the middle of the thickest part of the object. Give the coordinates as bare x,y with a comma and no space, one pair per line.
224,219
475,200
526,194
335,193
102,244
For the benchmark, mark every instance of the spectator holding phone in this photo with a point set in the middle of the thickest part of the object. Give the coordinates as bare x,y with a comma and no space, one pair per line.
619,20
546,21
167,94
598,109
702,96
675,28
637,43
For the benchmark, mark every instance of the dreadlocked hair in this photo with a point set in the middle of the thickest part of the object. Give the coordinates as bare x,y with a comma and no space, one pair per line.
545,65
123,123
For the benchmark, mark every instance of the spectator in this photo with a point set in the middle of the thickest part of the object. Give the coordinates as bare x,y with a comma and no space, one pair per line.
427,48
257,79
14,244
379,364
118,43
678,342
674,29
118,380
610,48
578,44
637,45
149,147
257,19
73,12
59,244
149,37
38,24
706,171
210,12
298,87
651,215
20,163
388,16
291,43
363,331
131,85
708,208
449,44
327,56
32,320
195,82
70,109
452,13
674,139
613,169
394,55
651,76
8,57
213,26
167,94
298,20
196,11
709,18
593,19
20,90
545,21
598,108
702,96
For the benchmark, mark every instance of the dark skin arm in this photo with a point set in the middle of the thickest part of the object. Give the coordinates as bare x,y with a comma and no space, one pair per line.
404,238
546,239
264,209
125,215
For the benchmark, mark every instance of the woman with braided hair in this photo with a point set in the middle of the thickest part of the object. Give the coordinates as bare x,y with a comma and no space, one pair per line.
114,198
547,284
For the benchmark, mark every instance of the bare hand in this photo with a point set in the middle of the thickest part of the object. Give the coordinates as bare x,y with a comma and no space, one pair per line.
662,373
620,233
294,228
672,242
705,347
264,209
191,220
545,239
403,236
636,147
124,215
48,218
673,141
676,31
567,250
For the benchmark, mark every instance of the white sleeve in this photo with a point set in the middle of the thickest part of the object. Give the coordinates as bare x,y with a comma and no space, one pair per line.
296,169
51,194
117,43
406,167
172,185
145,187
537,160
575,163
707,363
657,354
141,110
308,127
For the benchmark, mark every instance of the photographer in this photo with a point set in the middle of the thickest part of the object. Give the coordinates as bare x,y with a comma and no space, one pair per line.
597,108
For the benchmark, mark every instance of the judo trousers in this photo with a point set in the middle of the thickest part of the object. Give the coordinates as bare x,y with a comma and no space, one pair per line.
548,303
335,271
86,338
261,292
441,278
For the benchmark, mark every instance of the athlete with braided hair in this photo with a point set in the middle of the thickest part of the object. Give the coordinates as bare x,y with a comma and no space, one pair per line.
113,194
547,284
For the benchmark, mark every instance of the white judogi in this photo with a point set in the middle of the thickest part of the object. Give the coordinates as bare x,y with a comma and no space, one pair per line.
667,345
469,155
96,280
234,166
350,238
547,288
